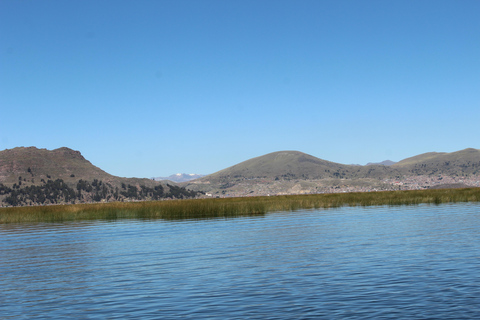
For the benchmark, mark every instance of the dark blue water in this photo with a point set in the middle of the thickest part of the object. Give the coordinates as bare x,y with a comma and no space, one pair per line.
409,262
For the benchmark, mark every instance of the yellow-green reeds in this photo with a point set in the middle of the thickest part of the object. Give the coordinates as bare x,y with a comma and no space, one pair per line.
229,207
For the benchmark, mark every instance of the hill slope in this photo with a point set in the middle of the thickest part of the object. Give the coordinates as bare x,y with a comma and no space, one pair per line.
41,176
36,164
278,165
288,165
293,172
463,162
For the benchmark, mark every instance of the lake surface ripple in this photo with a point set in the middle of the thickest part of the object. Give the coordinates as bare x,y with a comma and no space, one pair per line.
406,262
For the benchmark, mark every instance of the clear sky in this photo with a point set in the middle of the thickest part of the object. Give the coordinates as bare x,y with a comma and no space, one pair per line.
152,88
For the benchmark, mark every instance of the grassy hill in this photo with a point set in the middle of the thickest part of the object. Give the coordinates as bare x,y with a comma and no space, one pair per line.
463,162
288,165
294,172
291,165
278,165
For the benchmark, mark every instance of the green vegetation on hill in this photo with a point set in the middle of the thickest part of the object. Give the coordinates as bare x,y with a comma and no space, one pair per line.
286,166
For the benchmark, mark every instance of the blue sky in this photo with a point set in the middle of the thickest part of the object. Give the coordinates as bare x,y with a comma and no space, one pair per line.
151,88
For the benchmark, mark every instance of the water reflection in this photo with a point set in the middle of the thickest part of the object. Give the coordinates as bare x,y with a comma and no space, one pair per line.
344,263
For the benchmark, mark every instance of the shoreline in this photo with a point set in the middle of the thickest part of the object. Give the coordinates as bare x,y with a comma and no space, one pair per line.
229,207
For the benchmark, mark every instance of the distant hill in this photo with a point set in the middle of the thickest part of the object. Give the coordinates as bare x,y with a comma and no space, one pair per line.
284,169
40,176
30,176
278,165
463,162
180,177
288,165
294,171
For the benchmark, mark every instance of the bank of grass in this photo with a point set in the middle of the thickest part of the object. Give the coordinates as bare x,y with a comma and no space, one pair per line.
229,207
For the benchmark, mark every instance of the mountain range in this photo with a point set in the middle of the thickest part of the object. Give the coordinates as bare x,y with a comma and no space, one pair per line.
39,176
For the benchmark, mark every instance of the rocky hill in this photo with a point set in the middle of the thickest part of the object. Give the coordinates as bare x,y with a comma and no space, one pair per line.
32,165
41,176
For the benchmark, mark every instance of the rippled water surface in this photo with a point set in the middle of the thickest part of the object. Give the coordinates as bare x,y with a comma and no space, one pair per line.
407,262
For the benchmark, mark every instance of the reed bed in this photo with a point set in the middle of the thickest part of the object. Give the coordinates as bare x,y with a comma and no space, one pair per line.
229,207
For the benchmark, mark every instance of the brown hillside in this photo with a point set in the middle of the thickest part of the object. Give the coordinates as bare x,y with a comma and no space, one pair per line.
32,165
279,165
31,176
288,171
288,165
459,163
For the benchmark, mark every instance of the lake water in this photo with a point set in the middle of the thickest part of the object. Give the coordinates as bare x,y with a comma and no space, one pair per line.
406,262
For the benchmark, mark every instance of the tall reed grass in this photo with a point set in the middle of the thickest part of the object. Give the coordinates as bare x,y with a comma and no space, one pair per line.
229,207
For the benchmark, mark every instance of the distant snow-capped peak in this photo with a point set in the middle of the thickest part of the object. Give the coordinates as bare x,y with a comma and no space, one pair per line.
180,177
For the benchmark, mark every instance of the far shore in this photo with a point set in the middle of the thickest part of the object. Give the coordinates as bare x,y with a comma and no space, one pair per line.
230,207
